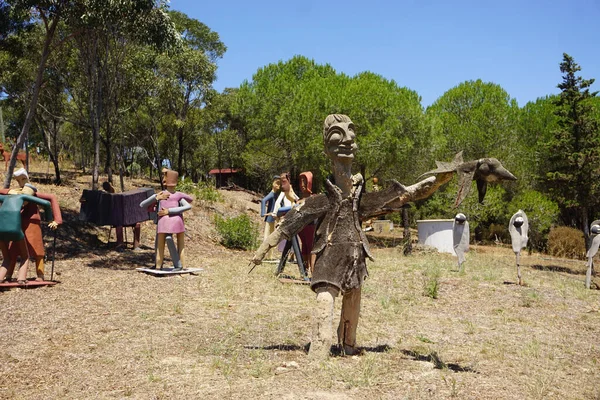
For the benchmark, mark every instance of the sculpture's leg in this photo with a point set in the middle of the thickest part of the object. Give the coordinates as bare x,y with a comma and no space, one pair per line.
12,262
173,252
24,254
349,321
298,255
39,268
269,228
320,345
284,256
119,232
137,230
519,268
588,274
181,249
5,261
160,249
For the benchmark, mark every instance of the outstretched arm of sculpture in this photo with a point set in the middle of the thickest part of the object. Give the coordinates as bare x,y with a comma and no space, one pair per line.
263,203
396,195
149,201
184,206
271,241
393,197
297,218
57,220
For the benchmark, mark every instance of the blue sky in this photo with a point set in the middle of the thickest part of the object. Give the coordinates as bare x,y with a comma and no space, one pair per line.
427,46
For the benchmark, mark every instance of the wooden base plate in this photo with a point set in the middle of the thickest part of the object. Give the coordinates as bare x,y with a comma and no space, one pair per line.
30,284
169,271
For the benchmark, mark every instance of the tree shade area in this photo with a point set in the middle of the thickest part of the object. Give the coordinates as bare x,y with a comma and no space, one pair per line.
127,88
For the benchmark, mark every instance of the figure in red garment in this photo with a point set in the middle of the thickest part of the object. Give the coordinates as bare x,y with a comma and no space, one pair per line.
30,222
307,234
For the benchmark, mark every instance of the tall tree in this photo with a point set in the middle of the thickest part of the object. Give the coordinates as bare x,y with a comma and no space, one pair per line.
574,149
537,122
188,76
479,118
24,12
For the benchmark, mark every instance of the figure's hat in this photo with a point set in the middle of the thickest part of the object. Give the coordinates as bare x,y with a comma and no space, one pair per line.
20,172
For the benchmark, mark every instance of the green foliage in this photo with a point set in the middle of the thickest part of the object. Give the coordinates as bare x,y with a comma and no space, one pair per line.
237,232
480,216
208,193
204,191
282,111
134,169
567,242
431,281
574,148
476,117
537,121
541,212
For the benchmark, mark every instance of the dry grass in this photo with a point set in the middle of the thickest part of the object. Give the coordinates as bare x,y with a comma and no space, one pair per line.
108,331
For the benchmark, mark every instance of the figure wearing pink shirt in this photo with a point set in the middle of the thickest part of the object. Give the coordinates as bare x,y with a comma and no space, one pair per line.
171,205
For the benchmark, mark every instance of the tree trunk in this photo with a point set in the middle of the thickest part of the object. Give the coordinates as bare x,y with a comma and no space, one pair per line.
94,99
406,235
586,226
180,155
34,100
51,148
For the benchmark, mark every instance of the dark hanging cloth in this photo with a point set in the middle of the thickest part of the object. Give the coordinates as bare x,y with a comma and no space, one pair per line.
115,209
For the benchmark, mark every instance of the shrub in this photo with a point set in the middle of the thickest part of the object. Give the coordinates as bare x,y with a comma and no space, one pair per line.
431,282
134,169
566,242
203,191
497,232
207,192
237,232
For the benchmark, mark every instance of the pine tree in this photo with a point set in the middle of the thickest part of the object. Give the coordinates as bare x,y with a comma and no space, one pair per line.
573,177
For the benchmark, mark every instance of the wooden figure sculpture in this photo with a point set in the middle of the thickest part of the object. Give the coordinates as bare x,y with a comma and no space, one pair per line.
11,232
595,243
171,206
460,238
341,246
267,204
518,227
30,223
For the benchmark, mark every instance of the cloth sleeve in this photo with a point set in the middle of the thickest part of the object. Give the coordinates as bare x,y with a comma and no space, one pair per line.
184,206
54,204
313,208
148,202
41,202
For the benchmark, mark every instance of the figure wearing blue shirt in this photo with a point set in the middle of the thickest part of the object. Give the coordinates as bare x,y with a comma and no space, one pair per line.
267,205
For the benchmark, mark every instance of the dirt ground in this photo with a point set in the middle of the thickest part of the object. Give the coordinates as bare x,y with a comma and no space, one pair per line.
107,331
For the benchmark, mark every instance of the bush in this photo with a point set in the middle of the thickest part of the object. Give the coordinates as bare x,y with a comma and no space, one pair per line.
237,232
566,242
497,232
207,192
203,191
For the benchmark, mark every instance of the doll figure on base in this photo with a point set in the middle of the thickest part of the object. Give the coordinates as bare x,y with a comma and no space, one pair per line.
171,204
30,223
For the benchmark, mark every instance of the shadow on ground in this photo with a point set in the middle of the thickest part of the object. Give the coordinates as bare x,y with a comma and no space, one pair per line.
558,268
436,361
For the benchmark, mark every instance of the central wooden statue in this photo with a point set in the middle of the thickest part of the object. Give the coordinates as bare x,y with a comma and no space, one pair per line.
341,246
